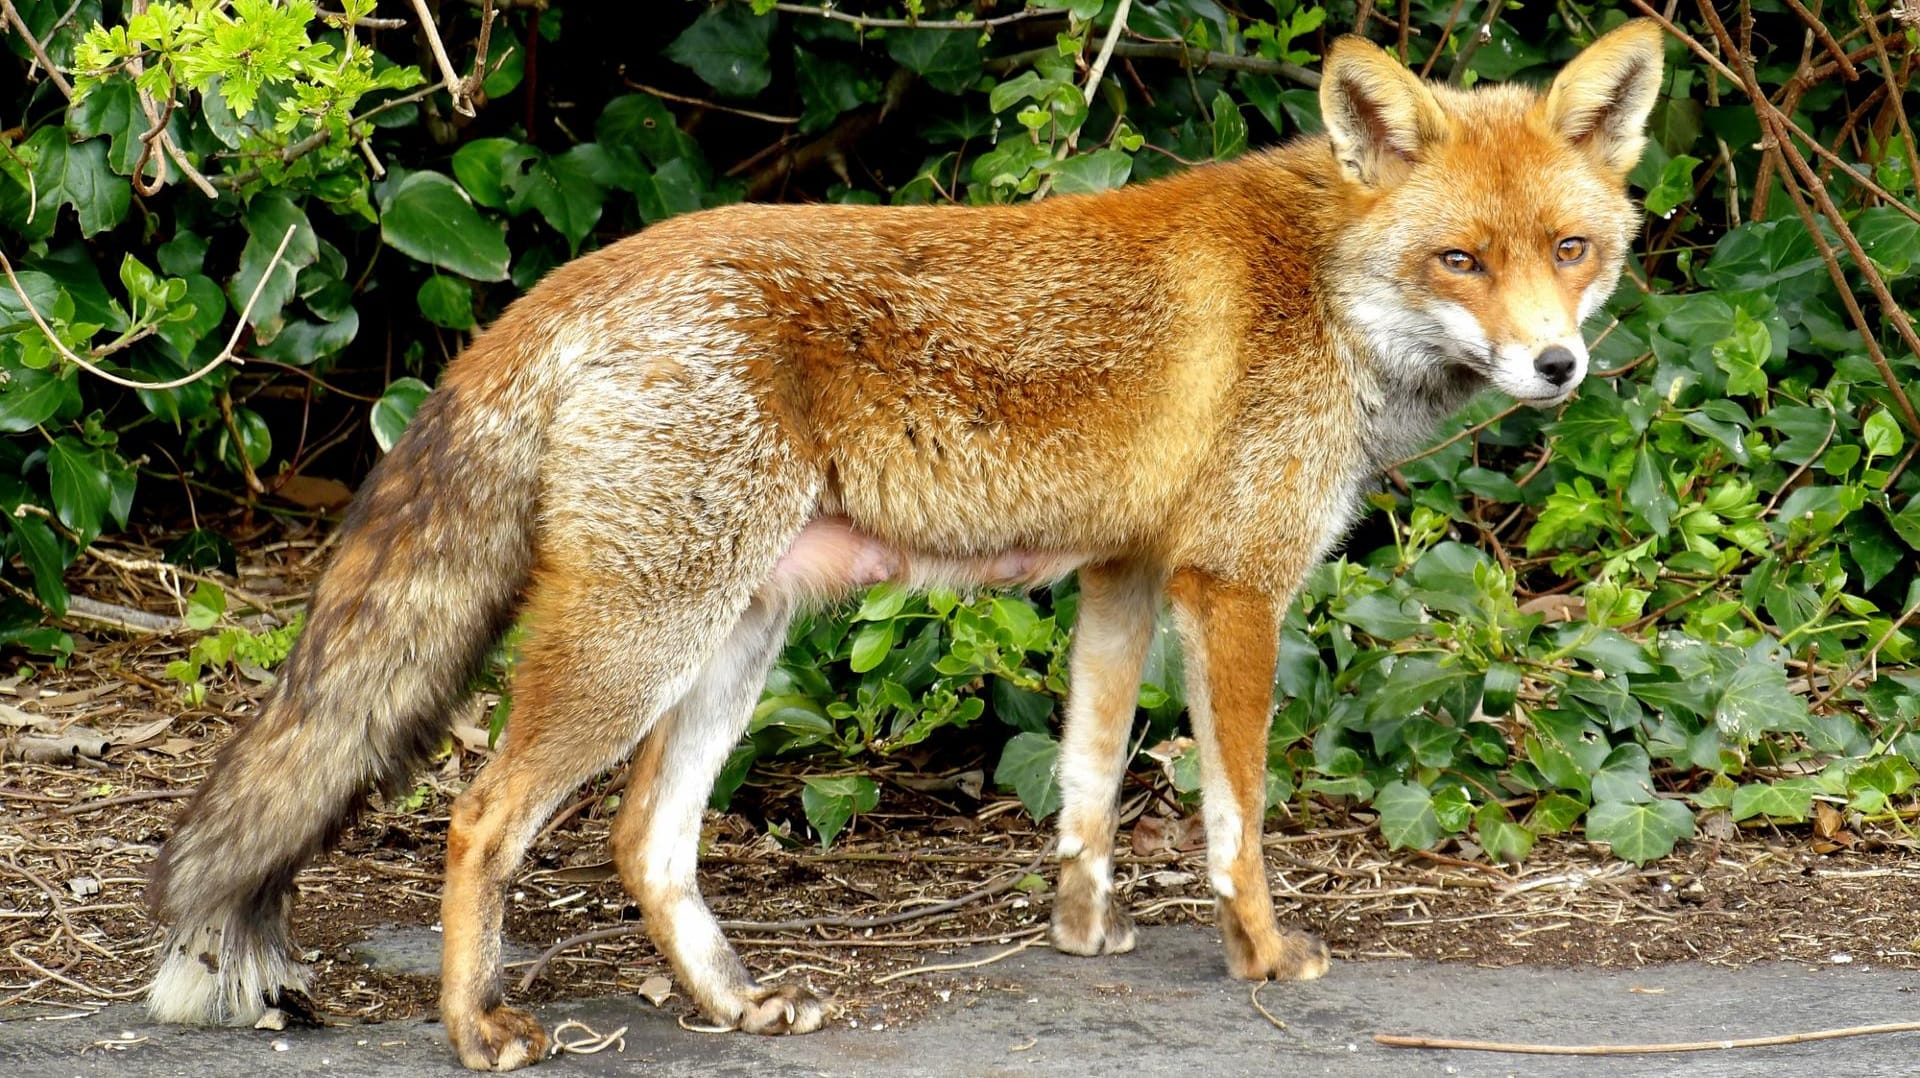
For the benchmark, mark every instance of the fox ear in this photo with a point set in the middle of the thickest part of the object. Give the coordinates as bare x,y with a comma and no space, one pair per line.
1602,97
1379,115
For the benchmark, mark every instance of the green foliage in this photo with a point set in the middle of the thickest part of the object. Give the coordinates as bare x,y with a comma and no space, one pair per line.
1616,617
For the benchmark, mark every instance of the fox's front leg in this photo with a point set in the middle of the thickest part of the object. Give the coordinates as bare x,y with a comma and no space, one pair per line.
1230,635
1117,604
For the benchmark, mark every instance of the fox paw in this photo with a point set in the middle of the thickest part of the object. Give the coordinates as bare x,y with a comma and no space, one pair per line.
1086,925
501,1039
784,1008
1275,955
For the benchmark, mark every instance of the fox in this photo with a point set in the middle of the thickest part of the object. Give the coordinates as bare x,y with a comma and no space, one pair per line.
1179,390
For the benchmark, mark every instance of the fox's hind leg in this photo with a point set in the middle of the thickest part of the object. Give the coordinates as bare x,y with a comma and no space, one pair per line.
656,836
1230,635
1117,605
595,673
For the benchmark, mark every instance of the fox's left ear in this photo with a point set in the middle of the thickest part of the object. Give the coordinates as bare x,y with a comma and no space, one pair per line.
1602,97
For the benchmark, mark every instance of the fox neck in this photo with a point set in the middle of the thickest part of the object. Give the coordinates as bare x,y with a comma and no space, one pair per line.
1404,388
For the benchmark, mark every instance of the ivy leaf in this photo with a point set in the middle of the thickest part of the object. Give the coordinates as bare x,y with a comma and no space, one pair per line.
431,219
1640,832
79,479
1881,433
1504,840
1649,494
205,606
482,166
268,217
1229,128
949,61
1625,776
1407,818
563,190
46,559
395,409
1755,700
1675,185
32,396
1086,173
1027,766
828,88
727,47
831,802
1775,800
64,174
446,302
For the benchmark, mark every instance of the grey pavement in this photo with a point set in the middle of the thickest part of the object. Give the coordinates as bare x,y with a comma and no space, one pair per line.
1166,1009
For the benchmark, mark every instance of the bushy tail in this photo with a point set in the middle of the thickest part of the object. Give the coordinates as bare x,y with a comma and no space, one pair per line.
432,557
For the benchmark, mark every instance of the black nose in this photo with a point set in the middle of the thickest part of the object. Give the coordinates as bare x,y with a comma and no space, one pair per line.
1556,365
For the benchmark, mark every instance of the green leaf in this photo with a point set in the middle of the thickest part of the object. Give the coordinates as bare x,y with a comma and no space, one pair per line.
1649,493
481,167
394,410
562,188
1407,817
431,219
828,88
1381,616
727,47
1504,840
31,397
79,480
1756,700
1774,800
268,218
256,440
112,108
446,301
1882,434
1019,708
1229,128
948,60
1027,766
1085,173
1499,688
64,174
1554,813
206,605
871,645
1431,742
1640,832
831,802
1871,785
45,557
1675,186
1625,776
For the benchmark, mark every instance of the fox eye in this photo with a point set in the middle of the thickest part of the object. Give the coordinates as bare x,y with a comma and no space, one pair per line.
1459,261
1571,250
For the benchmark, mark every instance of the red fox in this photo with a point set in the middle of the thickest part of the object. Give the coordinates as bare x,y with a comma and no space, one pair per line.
1179,390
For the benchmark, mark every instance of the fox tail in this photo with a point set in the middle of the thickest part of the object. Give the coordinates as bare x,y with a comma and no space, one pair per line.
433,555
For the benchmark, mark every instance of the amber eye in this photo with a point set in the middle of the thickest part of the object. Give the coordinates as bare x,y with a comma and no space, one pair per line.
1459,261
1571,250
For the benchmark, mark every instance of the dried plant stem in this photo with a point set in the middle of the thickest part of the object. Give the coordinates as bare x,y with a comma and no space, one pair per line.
1397,1041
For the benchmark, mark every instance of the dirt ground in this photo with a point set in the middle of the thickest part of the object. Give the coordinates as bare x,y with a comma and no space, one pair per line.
934,872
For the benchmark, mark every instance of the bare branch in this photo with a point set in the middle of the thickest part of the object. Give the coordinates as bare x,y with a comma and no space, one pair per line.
39,51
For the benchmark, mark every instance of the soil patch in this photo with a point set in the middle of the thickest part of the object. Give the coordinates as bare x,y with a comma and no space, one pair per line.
938,872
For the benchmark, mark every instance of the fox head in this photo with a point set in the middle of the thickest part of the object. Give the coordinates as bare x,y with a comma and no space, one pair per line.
1486,225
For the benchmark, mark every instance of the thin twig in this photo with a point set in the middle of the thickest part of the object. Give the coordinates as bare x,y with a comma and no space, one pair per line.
449,79
39,51
1088,91
666,95
1037,937
226,354
1254,998
1397,1041
1193,59
868,22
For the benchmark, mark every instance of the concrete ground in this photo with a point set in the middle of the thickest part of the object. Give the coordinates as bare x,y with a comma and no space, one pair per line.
1165,1009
